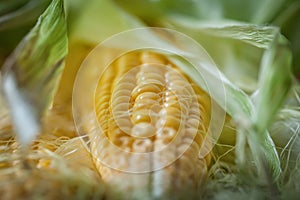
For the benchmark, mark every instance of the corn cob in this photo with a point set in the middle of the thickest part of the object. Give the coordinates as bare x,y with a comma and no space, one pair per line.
146,104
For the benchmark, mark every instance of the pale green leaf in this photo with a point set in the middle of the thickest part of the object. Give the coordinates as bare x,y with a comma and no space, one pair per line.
31,73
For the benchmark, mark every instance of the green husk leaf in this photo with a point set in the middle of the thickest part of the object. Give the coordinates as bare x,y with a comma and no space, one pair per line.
24,15
31,73
261,38
289,21
255,11
282,13
90,26
275,82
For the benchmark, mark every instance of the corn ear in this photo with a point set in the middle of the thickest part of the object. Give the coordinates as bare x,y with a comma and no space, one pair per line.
167,121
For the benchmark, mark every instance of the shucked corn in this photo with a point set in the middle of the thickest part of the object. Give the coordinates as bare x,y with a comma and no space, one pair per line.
145,104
